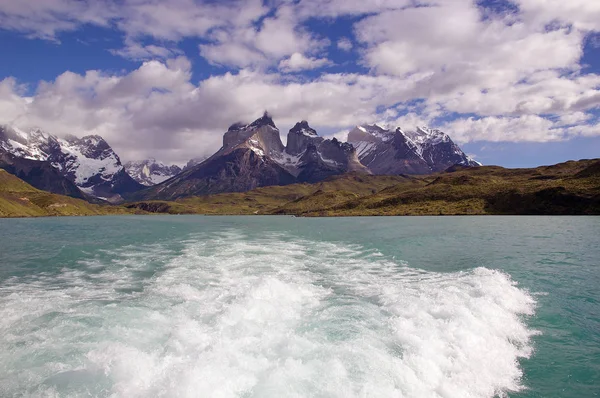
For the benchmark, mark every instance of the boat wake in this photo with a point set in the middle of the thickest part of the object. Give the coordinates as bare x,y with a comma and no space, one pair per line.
230,315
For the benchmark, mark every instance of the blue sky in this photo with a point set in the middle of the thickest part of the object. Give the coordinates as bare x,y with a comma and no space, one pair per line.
515,83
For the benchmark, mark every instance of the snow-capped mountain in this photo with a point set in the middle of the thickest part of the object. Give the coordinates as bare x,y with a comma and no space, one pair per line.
244,162
150,172
89,162
421,151
312,158
253,155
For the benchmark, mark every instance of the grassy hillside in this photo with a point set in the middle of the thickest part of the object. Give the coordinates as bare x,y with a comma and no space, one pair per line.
19,199
567,188
267,200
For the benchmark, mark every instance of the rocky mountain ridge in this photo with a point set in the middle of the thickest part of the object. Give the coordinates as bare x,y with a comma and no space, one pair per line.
252,155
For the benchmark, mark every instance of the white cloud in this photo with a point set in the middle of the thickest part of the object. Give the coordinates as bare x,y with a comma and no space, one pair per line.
277,37
337,8
344,44
44,19
298,62
583,14
530,128
575,118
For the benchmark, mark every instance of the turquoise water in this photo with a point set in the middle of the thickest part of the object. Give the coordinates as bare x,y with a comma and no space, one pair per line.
192,306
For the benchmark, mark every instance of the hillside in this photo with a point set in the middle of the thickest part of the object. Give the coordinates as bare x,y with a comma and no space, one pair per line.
19,199
568,188
267,200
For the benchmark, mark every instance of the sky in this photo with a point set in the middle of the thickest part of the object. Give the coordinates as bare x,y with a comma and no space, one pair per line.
515,83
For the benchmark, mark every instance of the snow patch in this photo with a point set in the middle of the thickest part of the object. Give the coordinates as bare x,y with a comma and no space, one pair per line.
363,148
328,161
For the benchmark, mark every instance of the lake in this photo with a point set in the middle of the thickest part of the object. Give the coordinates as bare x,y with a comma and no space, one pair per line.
194,306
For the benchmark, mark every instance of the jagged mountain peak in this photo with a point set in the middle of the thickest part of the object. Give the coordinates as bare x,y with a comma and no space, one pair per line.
369,132
150,172
92,139
302,127
237,126
264,120
426,135
261,136
300,137
419,151
194,162
373,126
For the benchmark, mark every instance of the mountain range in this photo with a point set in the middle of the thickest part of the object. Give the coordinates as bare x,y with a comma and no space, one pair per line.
252,155
87,163
422,151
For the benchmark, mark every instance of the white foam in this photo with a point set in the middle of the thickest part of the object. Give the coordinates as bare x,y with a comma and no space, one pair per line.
231,316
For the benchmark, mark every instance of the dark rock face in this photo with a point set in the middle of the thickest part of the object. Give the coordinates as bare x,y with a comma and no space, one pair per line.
314,168
422,151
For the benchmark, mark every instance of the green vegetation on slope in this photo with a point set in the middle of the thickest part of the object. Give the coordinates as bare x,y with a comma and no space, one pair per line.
566,188
267,200
19,199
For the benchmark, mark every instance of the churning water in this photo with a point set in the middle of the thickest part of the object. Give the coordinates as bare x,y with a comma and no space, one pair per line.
266,307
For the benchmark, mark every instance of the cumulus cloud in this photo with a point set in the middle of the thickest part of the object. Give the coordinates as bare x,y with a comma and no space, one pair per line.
298,62
344,44
275,38
480,74
530,128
